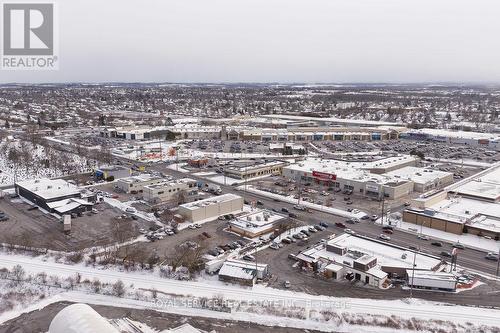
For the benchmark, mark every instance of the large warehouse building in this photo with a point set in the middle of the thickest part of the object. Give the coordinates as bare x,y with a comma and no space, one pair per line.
469,206
55,195
211,208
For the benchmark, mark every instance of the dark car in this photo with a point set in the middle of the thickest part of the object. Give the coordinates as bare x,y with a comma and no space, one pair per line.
388,231
292,215
284,210
340,225
438,244
324,224
445,254
459,246
388,227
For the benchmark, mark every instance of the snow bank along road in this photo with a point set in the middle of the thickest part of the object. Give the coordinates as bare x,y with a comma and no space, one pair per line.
405,309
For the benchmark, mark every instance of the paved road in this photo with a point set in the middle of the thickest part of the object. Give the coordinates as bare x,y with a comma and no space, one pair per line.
468,258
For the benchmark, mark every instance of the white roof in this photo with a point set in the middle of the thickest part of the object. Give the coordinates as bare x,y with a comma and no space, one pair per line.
185,328
49,188
386,254
419,175
80,318
211,201
255,221
455,134
431,275
355,171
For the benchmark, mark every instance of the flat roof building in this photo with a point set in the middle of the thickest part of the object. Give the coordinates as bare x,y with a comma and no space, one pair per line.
135,184
256,223
168,190
470,206
370,260
255,170
211,208
55,195
361,177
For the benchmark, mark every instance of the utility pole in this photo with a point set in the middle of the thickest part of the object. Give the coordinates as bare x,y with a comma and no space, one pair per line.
498,262
413,271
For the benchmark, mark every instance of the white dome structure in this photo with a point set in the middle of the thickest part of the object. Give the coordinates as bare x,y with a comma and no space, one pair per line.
80,318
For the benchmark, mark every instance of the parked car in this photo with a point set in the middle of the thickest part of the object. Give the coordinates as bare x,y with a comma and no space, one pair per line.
248,257
286,240
287,284
459,245
312,229
292,215
324,224
274,246
423,237
388,231
438,244
284,210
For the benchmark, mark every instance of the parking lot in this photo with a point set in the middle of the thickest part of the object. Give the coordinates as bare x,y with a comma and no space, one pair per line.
437,150
25,225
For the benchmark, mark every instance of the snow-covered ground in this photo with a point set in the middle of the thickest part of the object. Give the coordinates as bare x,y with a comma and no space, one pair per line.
291,199
257,304
67,164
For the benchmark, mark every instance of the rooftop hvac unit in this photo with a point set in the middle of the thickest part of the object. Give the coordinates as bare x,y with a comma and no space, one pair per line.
249,218
257,218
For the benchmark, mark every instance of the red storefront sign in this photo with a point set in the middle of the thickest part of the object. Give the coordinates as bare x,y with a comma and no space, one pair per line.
324,175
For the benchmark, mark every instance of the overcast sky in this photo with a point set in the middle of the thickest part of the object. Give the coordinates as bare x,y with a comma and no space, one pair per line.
275,41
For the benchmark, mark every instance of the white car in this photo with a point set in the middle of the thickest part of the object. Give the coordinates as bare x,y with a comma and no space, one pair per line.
384,237
130,210
423,237
349,231
192,226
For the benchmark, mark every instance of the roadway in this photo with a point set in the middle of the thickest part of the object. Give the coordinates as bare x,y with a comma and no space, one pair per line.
468,258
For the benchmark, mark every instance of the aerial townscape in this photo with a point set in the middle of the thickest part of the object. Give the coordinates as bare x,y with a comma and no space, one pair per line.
148,206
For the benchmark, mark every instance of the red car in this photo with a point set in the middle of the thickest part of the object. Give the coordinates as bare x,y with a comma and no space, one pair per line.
388,231
340,225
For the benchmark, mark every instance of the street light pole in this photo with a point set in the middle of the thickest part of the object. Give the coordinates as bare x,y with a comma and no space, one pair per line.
413,272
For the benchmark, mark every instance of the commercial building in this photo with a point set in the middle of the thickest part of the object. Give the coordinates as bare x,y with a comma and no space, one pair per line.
256,223
367,178
364,259
424,179
135,184
211,208
135,132
469,206
168,190
242,272
55,195
255,170
473,139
